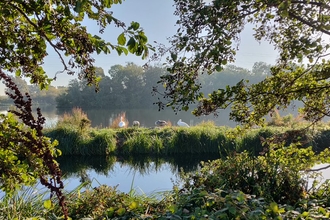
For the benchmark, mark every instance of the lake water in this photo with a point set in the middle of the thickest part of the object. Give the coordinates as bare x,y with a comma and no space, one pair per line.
146,117
144,175
126,178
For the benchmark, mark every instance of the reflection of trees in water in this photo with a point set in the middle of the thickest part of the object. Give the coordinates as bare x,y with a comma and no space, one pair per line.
144,165
84,178
79,165
191,162
71,165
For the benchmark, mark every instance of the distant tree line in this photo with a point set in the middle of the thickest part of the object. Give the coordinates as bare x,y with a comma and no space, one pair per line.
45,97
131,86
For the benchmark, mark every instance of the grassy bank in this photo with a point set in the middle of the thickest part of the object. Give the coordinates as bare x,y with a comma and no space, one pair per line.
76,137
175,140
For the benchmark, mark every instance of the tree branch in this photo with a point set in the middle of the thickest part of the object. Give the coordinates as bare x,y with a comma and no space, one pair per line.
311,3
40,32
318,169
308,23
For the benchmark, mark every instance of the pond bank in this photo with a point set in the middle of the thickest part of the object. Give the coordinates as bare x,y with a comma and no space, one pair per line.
175,140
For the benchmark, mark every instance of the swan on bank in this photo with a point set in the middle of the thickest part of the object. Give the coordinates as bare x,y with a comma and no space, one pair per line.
182,124
121,124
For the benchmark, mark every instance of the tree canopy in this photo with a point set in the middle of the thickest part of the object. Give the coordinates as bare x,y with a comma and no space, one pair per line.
30,29
208,38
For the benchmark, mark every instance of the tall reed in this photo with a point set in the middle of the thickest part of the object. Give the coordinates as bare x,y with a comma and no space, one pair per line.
26,203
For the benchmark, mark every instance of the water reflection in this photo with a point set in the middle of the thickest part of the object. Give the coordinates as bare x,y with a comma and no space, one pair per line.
148,174
103,117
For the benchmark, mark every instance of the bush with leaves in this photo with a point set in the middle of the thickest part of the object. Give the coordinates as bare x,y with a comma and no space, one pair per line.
276,176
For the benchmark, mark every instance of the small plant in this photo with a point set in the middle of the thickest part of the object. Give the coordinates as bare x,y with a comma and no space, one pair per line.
276,176
27,202
207,124
288,120
77,119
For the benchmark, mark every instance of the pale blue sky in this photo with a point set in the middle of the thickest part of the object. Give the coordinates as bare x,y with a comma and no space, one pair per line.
158,21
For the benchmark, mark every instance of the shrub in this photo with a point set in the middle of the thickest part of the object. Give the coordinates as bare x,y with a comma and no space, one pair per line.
76,119
275,176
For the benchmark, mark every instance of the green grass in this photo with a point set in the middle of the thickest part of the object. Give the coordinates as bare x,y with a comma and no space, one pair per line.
91,142
176,140
28,202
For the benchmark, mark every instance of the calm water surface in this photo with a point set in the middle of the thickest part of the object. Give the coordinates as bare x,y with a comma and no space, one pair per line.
144,175
147,117
125,178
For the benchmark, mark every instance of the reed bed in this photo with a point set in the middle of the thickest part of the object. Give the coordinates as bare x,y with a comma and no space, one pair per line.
164,141
95,142
174,140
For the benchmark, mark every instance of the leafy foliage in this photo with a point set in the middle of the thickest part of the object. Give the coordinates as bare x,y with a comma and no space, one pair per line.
208,38
26,154
204,195
30,28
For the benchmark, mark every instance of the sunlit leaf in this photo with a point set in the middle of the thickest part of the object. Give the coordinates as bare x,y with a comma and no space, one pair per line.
48,204
121,39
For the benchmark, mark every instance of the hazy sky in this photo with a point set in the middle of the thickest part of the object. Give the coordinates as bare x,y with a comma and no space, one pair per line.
158,21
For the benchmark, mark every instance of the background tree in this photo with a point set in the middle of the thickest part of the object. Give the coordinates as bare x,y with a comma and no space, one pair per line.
261,68
210,34
21,84
131,86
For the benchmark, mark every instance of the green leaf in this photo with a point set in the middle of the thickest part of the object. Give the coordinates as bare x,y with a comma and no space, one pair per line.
18,73
108,3
121,39
124,50
232,210
48,204
273,207
134,26
143,37
185,108
131,45
174,56
78,6
218,68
